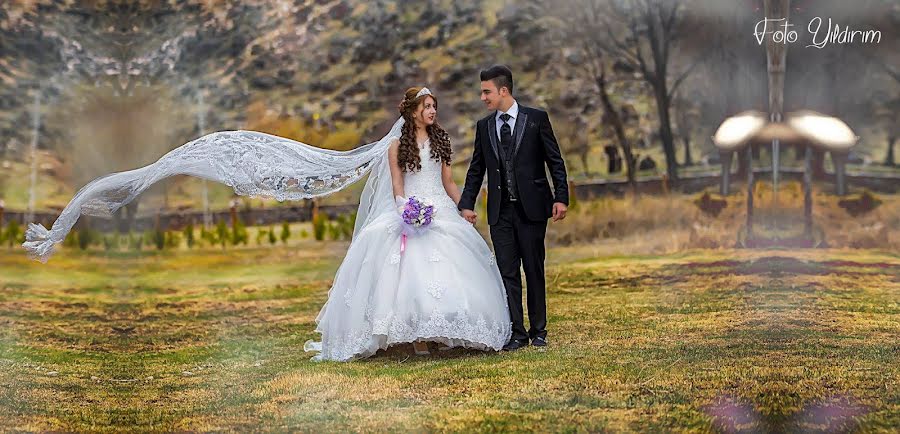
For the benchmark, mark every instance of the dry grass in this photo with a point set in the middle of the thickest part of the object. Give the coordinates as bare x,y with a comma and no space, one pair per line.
700,340
672,223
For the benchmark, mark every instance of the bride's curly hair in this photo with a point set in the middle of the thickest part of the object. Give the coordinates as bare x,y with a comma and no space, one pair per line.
408,150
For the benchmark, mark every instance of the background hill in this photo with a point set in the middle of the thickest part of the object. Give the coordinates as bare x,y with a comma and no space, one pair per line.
112,85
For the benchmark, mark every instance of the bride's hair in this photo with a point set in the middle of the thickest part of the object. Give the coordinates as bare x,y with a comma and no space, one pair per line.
408,151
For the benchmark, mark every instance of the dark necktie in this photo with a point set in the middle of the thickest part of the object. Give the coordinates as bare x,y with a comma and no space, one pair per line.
505,133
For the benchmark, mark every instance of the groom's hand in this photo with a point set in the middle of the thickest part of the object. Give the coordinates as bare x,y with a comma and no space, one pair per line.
559,211
469,215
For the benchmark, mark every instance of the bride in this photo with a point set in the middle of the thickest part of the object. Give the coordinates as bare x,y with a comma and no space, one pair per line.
443,287
439,284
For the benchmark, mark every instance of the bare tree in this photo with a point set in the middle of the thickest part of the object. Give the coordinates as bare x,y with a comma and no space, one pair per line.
687,116
579,27
643,33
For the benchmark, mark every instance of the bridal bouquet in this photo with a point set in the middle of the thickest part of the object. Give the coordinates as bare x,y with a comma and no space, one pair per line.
417,215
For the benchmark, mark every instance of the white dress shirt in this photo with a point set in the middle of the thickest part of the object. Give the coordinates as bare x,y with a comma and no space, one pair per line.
514,113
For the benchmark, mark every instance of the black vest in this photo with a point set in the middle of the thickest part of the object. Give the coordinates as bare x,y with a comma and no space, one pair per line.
507,175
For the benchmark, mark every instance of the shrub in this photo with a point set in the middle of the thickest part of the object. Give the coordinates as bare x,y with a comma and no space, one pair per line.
86,237
159,238
346,222
710,205
222,233
260,235
189,234
208,236
239,232
860,205
173,239
149,237
109,241
13,231
272,239
135,242
334,230
320,225
285,232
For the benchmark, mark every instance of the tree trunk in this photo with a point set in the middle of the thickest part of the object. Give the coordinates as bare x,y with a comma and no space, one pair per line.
584,161
620,133
889,158
665,131
631,164
688,161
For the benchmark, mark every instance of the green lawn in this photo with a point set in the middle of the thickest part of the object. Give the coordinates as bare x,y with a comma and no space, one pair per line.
762,340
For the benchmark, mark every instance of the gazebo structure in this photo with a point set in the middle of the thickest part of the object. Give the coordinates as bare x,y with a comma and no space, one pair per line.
806,128
741,132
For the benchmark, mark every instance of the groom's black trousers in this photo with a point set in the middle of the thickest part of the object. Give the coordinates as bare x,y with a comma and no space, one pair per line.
519,242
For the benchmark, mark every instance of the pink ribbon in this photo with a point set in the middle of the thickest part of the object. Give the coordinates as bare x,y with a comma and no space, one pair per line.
402,243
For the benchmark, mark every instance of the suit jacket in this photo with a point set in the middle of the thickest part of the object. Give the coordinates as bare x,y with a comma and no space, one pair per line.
534,145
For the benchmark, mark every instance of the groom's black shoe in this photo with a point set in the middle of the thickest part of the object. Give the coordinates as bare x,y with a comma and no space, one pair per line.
539,342
515,344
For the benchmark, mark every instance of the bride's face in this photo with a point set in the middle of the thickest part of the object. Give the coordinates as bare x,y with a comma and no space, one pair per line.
427,112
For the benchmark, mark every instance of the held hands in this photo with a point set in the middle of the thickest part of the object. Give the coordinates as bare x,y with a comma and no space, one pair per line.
469,215
559,211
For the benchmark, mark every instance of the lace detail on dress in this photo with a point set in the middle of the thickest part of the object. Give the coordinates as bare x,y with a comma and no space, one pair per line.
395,258
456,328
255,165
435,256
435,289
348,296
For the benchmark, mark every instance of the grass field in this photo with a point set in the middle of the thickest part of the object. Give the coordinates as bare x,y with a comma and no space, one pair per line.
706,340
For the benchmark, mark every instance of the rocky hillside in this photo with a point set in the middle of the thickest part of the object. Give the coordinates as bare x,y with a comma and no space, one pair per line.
115,83
344,62
326,72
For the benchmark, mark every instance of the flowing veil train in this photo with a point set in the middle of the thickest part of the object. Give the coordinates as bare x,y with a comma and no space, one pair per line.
253,163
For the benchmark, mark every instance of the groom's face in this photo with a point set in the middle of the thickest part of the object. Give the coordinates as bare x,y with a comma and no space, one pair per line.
490,95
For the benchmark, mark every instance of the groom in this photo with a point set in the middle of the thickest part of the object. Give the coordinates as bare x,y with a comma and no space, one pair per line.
512,144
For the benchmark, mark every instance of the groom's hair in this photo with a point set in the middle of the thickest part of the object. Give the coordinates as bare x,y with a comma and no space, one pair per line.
500,75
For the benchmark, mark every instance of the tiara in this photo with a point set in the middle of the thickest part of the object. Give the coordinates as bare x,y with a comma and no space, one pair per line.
424,91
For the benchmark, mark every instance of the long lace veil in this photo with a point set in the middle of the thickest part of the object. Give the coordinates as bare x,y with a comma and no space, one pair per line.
252,163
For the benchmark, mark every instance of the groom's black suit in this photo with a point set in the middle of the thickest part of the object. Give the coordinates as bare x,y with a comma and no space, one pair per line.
519,202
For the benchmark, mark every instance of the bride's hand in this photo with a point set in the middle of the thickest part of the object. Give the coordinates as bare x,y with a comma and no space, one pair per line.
469,215
400,201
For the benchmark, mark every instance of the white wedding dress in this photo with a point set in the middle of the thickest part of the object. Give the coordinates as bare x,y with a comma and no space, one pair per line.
445,286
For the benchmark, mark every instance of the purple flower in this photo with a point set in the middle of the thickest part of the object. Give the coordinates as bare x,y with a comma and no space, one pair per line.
416,213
